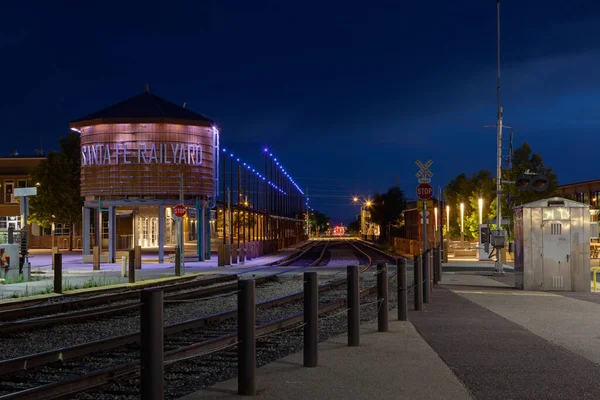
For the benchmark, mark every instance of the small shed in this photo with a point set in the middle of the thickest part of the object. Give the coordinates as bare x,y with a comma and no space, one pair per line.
552,245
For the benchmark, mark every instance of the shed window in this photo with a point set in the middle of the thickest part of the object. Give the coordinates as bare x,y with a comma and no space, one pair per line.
555,228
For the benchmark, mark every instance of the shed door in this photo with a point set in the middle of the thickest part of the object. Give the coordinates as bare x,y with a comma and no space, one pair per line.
556,259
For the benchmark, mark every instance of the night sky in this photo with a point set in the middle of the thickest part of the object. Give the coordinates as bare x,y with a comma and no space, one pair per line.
347,94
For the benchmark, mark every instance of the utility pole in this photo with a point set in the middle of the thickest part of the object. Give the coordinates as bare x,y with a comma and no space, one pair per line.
499,267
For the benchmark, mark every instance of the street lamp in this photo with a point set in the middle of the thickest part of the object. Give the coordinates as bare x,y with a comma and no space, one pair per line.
448,220
462,222
480,204
367,203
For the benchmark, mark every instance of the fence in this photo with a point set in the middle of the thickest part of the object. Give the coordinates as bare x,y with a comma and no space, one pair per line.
427,269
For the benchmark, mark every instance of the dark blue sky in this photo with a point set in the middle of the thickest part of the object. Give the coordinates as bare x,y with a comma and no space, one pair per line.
348,94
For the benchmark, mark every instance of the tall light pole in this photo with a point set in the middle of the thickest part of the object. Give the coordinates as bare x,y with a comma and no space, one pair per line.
448,220
480,207
462,223
363,208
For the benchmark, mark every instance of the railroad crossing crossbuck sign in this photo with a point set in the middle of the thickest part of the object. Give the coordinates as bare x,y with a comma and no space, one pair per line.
424,173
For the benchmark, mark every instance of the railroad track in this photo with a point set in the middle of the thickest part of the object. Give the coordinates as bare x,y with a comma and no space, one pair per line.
65,312
102,361
37,315
76,368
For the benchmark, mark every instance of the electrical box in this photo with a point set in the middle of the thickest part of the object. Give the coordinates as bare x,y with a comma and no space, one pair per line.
552,245
9,261
498,238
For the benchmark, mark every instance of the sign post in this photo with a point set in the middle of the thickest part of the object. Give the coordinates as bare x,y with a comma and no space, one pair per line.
24,194
179,211
424,192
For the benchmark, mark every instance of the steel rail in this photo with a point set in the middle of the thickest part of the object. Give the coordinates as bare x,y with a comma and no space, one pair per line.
10,315
67,353
131,370
53,320
318,260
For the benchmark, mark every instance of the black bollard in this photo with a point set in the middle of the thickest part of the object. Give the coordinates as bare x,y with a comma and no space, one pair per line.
152,346
382,298
418,283
311,318
131,266
425,269
58,273
402,290
246,338
436,277
353,305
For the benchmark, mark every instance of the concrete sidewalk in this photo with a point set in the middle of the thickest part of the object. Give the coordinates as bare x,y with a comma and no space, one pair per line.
490,341
397,364
77,274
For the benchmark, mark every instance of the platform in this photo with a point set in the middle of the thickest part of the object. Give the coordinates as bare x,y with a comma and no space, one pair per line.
77,274
482,342
370,371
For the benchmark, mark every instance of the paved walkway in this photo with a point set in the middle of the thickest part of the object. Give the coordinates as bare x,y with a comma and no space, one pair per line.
489,341
370,371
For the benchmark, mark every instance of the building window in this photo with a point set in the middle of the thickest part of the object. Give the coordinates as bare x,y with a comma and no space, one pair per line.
7,222
61,229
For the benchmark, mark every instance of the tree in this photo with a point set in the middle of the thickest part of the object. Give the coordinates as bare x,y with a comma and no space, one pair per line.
58,197
318,221
387,208
468,191
354,226
525,160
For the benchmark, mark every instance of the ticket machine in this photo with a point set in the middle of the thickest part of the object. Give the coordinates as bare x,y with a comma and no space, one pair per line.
485,248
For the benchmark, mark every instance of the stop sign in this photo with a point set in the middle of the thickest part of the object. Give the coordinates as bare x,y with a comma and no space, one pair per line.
179,210
424,191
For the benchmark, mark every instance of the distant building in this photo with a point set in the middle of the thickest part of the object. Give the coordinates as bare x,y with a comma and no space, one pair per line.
15,173
586,192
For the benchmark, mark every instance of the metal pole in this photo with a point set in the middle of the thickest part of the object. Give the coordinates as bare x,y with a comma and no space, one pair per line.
424,226
499,267
418,283
402,289
225,211
246,338
57,272
131,266
152,347
382,297
440,232
311,317
177,261
425,285
353,304
181,231
229,237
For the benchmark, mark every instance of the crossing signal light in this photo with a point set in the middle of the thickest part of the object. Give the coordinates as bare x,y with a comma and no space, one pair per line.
523,182
539,183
